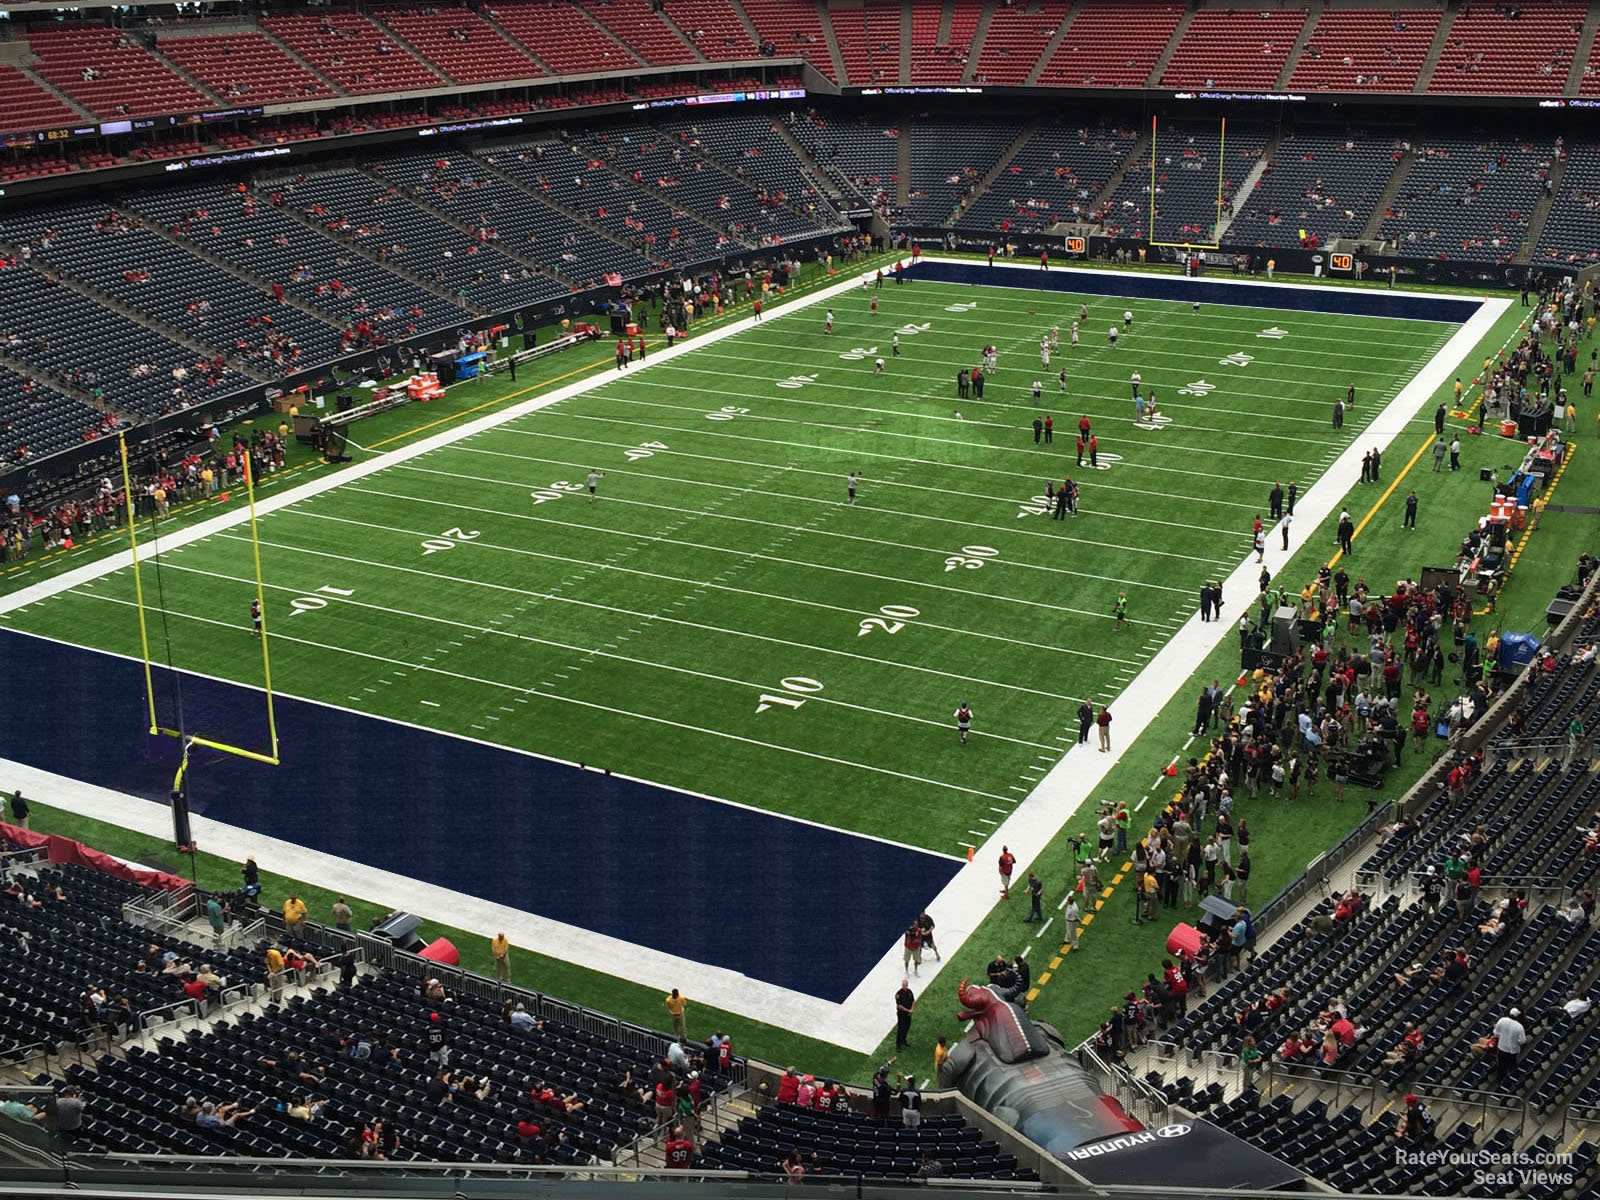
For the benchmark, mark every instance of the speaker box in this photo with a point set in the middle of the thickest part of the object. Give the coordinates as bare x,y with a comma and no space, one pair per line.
401,929
1285,631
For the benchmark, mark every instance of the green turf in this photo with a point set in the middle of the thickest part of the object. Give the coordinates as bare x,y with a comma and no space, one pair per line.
957,477
489,597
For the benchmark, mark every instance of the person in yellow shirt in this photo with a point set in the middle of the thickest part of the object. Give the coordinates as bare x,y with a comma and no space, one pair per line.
675,1006
294,914
274,968
941,1051
500,947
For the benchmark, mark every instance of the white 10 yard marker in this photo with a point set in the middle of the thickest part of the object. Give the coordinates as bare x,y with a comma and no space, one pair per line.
893,620
446,541
798,687
554,492
301,604
971,557
645,450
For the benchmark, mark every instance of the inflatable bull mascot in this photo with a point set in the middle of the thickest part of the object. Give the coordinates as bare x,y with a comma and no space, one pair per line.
1020,1070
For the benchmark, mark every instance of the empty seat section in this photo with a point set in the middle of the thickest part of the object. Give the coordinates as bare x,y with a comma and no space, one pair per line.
758,154
941,58
319,269
37,419
1233,50
1112,45
562,37
637,25
24,105
1326,185
862,156
794,28
1366,50
1517,49
714,28
1054,177
246,67
948,158
1016,38
1571,234
869,42
110,72
460,43
1468,199
382,219
352,51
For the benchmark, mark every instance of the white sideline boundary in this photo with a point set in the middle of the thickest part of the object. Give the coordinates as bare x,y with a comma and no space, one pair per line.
861,1021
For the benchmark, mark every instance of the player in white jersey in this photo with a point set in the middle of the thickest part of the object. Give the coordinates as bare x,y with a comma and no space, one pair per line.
594,482
1074,333
829,328
1055,337
1112,334
1044,355
1127,318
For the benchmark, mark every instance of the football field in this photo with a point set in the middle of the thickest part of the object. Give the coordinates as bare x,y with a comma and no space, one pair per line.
723,620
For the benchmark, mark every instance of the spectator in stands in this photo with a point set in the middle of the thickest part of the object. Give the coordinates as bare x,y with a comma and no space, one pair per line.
1415,1124
437,1039
676,1006
221,1116
1509,1037
910,1102
794,1167
275,976
294,915
19,1110
1405,1051
521,1019
788,1086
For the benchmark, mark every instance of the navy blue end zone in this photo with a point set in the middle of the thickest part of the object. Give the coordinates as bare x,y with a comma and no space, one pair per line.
1358,302
710,882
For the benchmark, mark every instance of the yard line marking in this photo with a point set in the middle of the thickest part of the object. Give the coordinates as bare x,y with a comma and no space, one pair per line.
746,554
1100,485
940,552
1003,811
429,703
987,821
1043,927
653,617
1140,805
560,699
1101,410
1211,477
1015,788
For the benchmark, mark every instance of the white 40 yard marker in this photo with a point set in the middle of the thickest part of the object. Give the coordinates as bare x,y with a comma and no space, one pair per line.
796,689
645,450
555,491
